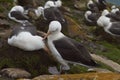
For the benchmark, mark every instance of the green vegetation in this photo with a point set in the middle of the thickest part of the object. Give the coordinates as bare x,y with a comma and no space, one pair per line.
68,3
113,52
74,69
6,1
5,5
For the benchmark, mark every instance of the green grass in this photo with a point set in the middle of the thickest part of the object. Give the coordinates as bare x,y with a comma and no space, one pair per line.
68,3
113,52
5,5
8,1
4,62
1,9
77,69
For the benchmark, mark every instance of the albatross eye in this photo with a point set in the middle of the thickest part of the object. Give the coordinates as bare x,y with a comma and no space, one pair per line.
55,30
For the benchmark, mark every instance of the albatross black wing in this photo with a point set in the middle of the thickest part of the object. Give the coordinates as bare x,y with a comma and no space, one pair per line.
115,29
73,51
18,15
27,28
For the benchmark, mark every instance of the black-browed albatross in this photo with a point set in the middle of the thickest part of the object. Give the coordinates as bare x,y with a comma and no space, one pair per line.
25,38
67,48
112,28
114,9
102,4
92,6
91,18
53,3
50,14
17,14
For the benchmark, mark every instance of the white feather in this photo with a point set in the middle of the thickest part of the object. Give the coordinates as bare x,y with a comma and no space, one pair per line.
39,11
26,41
88,13
103,21
49,4
89,2
58,3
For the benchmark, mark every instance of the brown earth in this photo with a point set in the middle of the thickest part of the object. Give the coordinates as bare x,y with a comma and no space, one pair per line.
85,76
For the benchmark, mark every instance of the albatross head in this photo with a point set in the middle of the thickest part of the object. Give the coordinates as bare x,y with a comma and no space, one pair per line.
49,4
113,7
90,2
101,1
88,13
105,12
39,11
58,3
18,8
54,28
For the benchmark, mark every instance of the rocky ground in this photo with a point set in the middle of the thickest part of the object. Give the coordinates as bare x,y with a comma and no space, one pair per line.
37,62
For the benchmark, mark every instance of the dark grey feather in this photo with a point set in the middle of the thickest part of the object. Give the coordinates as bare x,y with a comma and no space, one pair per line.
73,51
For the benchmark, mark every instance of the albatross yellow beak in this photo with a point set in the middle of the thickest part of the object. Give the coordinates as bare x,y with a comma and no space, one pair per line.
48,33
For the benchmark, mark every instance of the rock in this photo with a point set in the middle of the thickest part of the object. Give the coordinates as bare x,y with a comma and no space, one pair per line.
5,33
6,78
106,61
2,16
53,70
99,70
4,24
79,4
23,79
1,43
84,76
45,77
15,73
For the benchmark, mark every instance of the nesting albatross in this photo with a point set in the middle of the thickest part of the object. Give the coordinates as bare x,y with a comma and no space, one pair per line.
53,3
91,18
50,14
102,4
69,49
92,6
25,38
17,14
112,28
